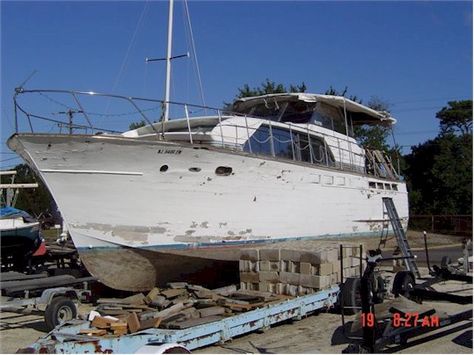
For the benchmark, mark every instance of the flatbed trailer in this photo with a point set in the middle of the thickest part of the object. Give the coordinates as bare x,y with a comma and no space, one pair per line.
66,338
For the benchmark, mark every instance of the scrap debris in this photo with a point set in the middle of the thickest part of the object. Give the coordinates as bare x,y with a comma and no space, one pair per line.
179,306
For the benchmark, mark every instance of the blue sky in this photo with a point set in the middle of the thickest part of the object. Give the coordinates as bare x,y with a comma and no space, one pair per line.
414,55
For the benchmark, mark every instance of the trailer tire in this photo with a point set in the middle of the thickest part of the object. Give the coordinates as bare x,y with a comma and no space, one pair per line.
403,283
60,310
350,295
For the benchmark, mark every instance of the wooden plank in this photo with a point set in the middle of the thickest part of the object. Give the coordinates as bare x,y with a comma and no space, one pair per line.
102,322
177,284
97,332
173,292
139,298
150,323
225,291
152,295
211,311
133,322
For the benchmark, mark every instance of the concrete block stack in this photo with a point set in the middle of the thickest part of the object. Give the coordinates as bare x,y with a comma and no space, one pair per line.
296,272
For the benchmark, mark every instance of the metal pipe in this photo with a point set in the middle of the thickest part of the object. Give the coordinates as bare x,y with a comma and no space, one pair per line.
168,61
189,126
248,134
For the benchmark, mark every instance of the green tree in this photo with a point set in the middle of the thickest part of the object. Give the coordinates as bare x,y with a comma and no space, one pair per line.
439,171
268,87
456,117
135,125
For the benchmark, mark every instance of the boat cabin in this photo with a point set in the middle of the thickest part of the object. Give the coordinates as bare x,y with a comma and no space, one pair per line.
308,128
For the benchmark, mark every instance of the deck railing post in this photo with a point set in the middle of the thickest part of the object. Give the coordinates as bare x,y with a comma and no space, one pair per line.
310,147
248,134
340,154
189,125
220,126
272,145
292,142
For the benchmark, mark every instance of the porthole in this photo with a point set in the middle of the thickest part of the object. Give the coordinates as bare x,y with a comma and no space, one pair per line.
164,168
195,170
223,170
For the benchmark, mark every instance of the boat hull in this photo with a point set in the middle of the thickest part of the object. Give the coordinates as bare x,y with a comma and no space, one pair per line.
149,208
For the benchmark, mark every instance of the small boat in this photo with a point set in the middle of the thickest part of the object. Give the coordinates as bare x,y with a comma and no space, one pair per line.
20,238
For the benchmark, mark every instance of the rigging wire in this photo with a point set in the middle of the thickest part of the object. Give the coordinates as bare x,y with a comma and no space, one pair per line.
193,50
129,49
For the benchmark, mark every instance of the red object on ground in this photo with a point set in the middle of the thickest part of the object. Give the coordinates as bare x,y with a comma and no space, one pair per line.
41,250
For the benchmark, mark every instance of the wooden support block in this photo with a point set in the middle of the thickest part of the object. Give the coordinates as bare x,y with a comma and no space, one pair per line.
102,322
133,322
93,332
294,267
270,254
249,254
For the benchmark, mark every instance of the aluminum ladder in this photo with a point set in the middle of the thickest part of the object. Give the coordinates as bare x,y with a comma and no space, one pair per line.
401,237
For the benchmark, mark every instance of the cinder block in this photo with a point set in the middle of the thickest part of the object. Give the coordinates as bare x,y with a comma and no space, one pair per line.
306,269
249,254
294,267
248,266
325,269
289,278
290,255
269,287
332,255
265,265
270,276
280,289
314,258
291,290
269,254
284,266
315,281
251,277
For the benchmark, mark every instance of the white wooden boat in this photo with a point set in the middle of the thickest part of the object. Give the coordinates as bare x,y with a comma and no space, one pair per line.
176,199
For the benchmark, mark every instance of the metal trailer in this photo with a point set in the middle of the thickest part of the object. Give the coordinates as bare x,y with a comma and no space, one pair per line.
56,296
66,338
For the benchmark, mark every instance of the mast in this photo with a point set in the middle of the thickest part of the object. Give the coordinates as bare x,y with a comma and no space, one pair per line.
168,62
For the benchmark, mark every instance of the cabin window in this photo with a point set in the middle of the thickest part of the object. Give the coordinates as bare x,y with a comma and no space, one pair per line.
372,184
387,187
394,187
380,185
329,117
298,112
282,143
304,149
259,142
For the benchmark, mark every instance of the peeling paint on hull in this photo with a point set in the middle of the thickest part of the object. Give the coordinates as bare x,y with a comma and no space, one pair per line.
114,195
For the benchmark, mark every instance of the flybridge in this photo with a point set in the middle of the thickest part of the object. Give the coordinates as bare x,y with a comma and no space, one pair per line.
307,128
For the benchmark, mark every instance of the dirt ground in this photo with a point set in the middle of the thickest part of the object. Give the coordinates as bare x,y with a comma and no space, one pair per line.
321,333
